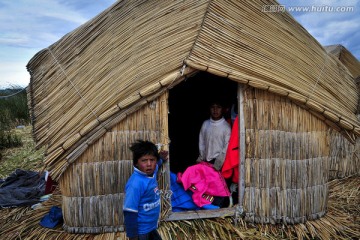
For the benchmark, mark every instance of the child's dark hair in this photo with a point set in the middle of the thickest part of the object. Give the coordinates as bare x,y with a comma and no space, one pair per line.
217,101
141,148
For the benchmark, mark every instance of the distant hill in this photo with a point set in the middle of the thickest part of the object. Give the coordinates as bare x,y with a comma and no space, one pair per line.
11,91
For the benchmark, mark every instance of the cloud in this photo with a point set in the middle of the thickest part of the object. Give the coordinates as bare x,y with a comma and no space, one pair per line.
27,27
329,22
13,62
24,22
12,75
9,39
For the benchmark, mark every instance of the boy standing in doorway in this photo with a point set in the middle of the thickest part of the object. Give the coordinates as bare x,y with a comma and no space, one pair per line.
214,136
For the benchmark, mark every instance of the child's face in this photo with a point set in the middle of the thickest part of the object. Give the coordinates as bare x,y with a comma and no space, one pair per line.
147,164
215,111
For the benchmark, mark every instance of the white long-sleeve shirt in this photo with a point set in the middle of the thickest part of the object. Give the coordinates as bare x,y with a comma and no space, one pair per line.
213,141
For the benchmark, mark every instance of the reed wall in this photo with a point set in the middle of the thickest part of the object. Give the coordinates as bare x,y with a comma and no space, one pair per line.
93,186
286,161
345,157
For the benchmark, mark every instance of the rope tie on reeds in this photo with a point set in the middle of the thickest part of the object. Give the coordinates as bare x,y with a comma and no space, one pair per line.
182,69
167,138
239,211
168,194
318,78
74,86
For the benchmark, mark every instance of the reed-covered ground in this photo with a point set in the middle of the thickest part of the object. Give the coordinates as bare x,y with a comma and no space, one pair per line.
342,220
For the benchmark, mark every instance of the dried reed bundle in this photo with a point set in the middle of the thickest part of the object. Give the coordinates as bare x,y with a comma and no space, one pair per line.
346,199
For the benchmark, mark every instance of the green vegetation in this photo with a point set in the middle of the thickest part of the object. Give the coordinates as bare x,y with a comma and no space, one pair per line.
13,112
25,157
17,148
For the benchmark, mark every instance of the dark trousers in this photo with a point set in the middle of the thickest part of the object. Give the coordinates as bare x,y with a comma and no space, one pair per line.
153,235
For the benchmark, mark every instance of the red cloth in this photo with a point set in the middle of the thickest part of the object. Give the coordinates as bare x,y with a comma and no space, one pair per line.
50,185
230,167
205,182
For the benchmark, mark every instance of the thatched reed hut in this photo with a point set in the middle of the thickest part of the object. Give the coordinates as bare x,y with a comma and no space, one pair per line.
144,69
345,156
346,58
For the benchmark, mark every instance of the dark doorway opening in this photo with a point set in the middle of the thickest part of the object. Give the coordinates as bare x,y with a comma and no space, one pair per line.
188,108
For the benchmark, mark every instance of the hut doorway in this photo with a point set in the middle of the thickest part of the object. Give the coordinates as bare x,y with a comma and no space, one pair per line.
188,104
188,108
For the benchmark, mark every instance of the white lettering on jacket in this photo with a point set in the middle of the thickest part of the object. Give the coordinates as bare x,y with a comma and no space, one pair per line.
149,206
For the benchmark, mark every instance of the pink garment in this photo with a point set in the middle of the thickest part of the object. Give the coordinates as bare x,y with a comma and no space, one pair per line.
205,182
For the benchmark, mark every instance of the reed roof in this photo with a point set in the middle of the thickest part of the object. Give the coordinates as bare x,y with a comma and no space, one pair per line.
346,57
132,51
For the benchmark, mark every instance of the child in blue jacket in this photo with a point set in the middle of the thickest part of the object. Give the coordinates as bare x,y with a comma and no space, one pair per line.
142,195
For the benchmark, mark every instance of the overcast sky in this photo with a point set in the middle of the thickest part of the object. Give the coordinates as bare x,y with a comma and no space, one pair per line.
28,26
